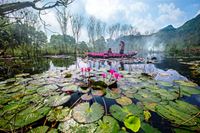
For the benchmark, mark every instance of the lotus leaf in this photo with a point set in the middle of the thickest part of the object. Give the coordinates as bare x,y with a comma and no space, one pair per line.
167,84
71,126
175,116
53,130
186,83
124,100
40,129
165,95
147,115
99,85
70,87
149,129
189,90
150,106
22,75
58,100
184,107
178,130
86,97
84,113
120,113
29,115
132,122
108,125
58,114
112,95
98,92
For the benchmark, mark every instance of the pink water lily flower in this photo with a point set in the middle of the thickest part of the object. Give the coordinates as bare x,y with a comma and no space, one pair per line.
103,75
116,75
88,69
82,69
111,71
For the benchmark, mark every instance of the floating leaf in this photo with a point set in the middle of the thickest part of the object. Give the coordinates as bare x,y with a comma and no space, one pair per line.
147,115
58,100
40,129
186,83
108,125
148,128
84,113
98,92
70,87
112,95
132,122
189,90
167,84
124,101
150,106
58,114
121,112
71,126
86,97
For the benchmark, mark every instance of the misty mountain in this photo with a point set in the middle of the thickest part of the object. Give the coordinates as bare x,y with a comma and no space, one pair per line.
187,35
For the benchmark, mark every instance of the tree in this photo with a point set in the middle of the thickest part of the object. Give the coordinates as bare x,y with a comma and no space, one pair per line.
7,8
91,29
76,23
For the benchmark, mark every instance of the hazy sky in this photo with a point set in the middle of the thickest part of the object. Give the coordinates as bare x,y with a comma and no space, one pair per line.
143,14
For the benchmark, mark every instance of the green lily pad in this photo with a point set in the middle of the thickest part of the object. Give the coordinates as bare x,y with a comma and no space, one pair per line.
86,97
40,129
120,113
186,83
124,100
98,92
22,75
58,114
112,95
175,116
47,90
147,96
150,106
29,115
71,126
148,128
70,87
84,113
185,90
132,122
167,84
53,130
147,115
108,125
58,100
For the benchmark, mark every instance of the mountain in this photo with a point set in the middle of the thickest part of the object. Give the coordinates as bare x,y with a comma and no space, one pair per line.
187,35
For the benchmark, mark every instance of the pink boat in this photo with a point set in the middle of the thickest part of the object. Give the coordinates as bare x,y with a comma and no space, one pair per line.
111,55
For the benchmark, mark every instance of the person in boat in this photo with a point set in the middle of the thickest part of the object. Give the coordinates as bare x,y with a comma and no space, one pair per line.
121,45
109,51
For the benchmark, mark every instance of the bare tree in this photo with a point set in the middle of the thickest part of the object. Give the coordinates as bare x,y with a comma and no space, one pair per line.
7,8
111,30
76,23
91,29
62,18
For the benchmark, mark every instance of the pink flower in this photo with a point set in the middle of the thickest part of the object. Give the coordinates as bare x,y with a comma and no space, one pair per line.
103,75
88,69
82,69
112,71
116,75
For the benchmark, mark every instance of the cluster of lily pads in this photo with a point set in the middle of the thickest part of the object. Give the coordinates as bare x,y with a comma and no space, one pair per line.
42,102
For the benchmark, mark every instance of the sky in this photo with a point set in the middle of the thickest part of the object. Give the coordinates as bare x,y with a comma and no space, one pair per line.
146,15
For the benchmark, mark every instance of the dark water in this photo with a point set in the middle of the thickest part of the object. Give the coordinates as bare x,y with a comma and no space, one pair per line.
10,67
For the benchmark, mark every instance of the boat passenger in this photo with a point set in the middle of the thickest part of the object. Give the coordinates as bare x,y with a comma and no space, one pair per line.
109,51
122,45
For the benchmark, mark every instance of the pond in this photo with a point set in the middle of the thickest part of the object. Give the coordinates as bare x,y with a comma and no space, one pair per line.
98,95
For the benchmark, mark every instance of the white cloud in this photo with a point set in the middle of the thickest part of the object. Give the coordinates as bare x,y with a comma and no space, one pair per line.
169,13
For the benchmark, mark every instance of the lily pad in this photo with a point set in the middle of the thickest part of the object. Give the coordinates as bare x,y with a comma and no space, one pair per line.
58,114
186,83
124,100
84,113
147,115
58,100
40,129
71,126
120,113
86,97
189,90
70,87
166,84
148,128
108,125
112,95
132,122
98,92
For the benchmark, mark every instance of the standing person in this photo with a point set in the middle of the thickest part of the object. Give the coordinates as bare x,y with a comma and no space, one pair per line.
121,45
109,51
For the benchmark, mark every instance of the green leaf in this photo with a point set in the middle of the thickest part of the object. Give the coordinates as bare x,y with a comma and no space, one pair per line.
149,129
108,125
124,100
40,129
132,122
147,115
84,113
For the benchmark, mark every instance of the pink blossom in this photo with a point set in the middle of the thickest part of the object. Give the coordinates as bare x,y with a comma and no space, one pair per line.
82,69
88,69
103,75
112,71
116,75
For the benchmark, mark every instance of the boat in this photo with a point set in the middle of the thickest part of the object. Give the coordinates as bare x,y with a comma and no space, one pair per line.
110,55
